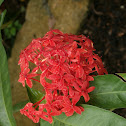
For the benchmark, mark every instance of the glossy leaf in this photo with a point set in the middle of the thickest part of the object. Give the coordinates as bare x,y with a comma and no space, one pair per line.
92,116
6,113
34,95
109,93
122,75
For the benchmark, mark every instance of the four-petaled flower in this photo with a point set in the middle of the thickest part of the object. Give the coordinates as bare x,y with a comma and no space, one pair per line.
24,75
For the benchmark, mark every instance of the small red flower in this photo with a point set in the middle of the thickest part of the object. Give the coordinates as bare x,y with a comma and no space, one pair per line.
65,64
70,107
24,75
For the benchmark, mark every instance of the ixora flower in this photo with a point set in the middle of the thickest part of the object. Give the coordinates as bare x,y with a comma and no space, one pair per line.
65,64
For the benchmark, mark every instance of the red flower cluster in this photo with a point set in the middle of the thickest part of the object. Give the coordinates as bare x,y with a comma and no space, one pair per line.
69,63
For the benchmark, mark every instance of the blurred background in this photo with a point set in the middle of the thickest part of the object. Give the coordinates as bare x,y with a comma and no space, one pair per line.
103,21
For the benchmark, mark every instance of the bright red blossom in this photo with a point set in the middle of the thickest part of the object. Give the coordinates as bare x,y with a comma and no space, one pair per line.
67,64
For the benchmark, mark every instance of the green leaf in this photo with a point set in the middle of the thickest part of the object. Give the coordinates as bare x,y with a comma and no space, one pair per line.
13,31
45,123
2,18
19,106
1,1
55,123
109,93
6,113
92,116
17,24
122,75
34,95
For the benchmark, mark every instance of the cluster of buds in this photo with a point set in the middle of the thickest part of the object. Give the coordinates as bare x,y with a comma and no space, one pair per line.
65,64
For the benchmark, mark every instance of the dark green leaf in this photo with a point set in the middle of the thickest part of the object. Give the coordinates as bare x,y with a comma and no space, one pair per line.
109,93
45,123
2,18
55,123
13,31
1,1
92,116
17,24
19,106
6,113
34,95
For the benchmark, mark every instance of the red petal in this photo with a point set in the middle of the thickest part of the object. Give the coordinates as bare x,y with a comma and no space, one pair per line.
66,109
68,77
35,69
105,71
74,45
82,109
55,69
21,79
73,66
43,74
52,43
57,31
26,70
29,83
71,92
76,98
65,91
79,72
23,84
95,56
67,100
90,89
91,60
70,113
53,62
79,82
90,78
77,109
74,60
85,85
48,97
76,86
86,96
41,107
54,77
65,68
96,68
